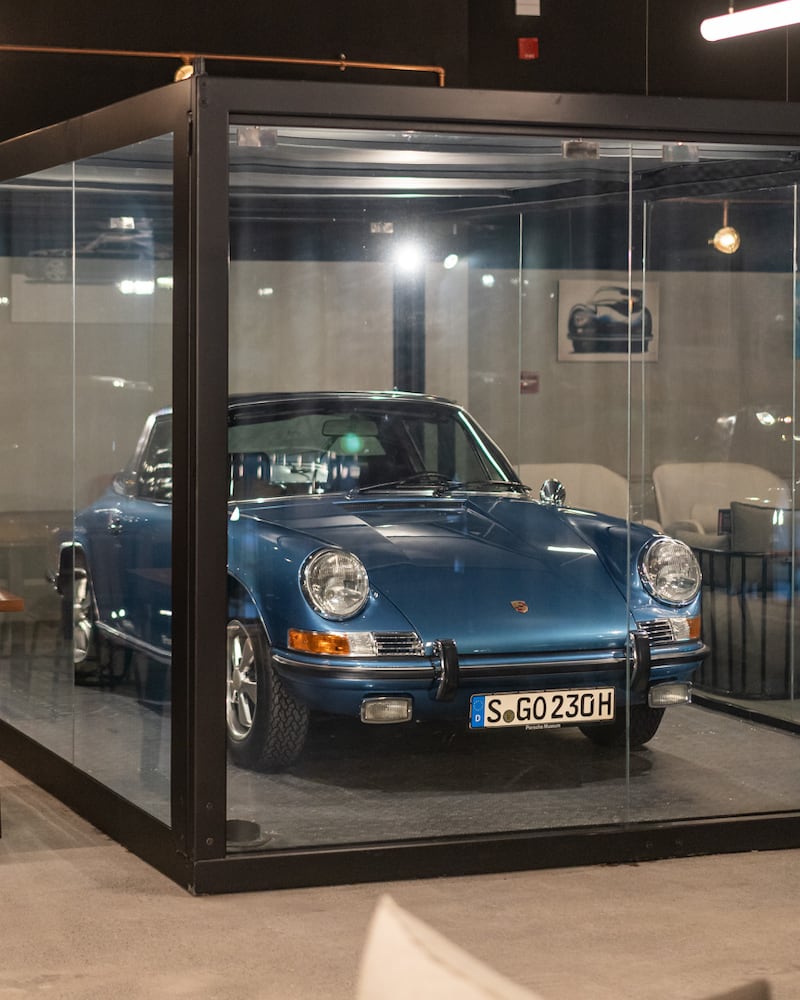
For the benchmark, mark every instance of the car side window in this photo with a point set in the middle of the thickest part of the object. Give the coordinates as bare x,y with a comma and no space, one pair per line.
154,480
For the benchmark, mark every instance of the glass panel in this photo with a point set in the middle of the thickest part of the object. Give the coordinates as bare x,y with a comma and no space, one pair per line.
387,568
717,433
123,373
384,262
87,667
36,451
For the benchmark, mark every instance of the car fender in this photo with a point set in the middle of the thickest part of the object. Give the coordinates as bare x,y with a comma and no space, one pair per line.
265,563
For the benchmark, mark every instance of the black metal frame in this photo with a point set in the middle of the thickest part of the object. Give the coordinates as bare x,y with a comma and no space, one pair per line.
198,112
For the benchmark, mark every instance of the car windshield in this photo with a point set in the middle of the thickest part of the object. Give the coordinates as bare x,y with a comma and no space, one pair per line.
344,445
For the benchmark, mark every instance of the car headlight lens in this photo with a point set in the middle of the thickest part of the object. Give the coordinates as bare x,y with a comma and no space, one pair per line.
670,571
335,583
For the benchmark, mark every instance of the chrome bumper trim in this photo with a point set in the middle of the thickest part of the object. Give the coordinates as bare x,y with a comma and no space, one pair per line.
479,671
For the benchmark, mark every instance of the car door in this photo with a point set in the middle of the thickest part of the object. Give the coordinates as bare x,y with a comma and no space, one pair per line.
136,563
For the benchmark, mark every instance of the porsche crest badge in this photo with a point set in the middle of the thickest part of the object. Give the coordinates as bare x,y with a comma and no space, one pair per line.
520,606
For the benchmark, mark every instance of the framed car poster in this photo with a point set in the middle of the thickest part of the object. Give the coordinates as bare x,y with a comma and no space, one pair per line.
598,320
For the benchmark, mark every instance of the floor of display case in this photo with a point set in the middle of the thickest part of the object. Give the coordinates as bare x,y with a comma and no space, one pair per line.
357,784
783,713
354,785
119,733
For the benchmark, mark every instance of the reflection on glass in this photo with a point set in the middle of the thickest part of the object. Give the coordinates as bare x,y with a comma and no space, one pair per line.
88,351
729,488
123,348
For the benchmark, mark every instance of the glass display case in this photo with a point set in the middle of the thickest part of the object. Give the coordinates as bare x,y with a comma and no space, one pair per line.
401,482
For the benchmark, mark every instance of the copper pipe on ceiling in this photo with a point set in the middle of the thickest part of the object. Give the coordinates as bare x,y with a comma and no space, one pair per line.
186,58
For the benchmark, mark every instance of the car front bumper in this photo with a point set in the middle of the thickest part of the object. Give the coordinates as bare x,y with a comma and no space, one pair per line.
441,685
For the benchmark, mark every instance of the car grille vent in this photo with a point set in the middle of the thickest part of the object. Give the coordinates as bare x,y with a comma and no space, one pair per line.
398,644
662,631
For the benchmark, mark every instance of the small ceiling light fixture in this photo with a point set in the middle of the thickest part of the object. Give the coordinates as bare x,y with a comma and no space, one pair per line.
185,70
726,239
751,20
136,286
680,152
579,149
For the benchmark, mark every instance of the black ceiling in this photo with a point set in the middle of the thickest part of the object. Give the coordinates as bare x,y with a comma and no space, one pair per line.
615,47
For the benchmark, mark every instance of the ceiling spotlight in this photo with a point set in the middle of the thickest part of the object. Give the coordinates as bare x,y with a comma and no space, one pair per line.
726,239
746,22
185,70
408,257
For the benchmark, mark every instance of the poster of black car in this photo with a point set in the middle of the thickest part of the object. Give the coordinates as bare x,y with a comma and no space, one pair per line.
602,320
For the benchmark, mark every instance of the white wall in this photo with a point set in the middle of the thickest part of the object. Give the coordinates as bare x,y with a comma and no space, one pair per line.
305,325
75,389
724,341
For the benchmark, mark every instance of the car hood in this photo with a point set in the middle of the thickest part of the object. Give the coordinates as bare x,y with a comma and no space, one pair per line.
490,572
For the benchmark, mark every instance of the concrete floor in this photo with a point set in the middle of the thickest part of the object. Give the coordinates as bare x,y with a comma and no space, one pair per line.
82,918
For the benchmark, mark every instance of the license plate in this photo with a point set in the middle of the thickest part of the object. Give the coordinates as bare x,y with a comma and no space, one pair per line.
541,709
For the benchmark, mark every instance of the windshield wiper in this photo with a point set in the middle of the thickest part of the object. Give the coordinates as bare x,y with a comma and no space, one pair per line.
505,484
442,484
425,478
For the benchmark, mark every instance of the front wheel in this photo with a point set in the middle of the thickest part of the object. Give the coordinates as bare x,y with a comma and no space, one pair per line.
266,725
644,725
79,617
94,659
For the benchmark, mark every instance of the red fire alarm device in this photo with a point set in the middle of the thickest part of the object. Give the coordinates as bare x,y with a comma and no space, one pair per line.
528,48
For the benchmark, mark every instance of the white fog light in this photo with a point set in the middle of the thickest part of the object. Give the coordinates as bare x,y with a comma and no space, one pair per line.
664,695
382,710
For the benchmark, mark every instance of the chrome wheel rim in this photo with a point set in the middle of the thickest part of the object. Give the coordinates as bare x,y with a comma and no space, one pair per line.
81,620
242,687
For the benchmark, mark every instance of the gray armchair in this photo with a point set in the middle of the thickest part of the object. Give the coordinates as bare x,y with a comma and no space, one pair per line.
690,496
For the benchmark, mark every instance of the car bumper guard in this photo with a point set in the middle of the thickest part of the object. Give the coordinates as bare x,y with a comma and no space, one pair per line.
445,670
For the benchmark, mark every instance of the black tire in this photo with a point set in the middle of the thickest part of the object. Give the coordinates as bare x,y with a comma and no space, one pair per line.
266,725
644,725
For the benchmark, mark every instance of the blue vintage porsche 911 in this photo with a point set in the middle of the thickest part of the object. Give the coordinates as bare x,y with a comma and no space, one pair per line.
385,562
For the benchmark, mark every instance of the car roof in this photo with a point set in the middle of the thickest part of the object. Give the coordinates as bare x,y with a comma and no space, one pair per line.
378,395
247,399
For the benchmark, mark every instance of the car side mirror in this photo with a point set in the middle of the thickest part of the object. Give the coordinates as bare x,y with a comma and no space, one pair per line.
125,482
552,491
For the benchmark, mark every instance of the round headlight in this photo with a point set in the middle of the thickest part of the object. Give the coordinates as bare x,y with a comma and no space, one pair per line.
670,571
335,583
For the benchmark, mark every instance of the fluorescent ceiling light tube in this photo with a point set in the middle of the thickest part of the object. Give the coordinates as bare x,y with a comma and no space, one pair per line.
746,22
